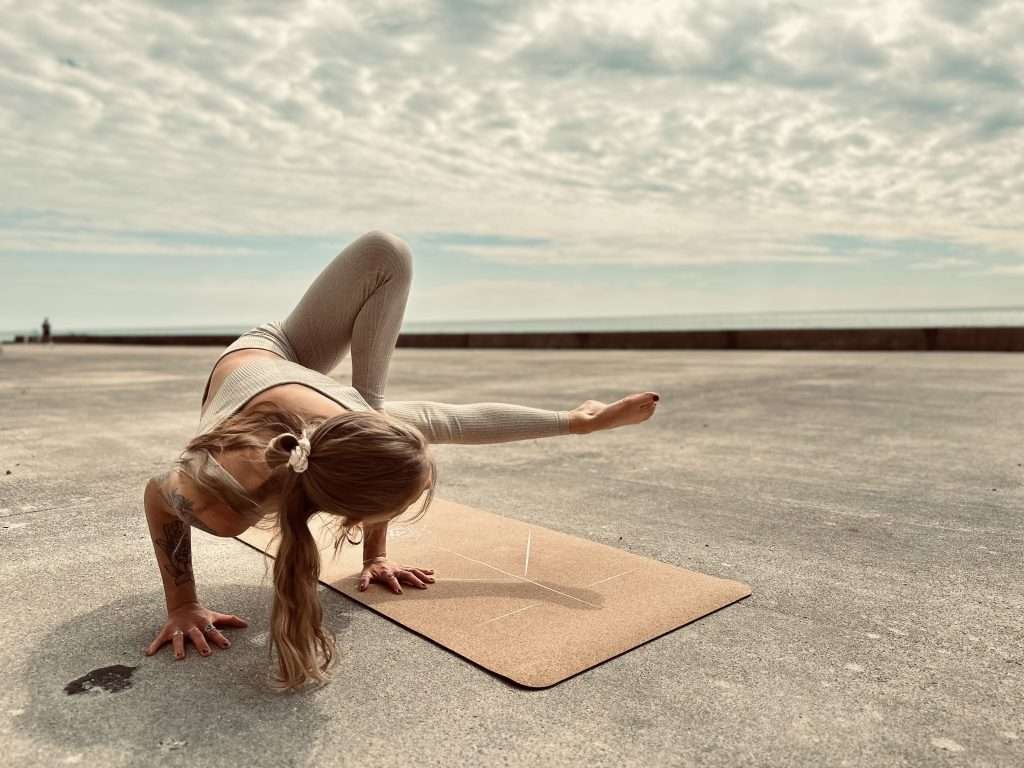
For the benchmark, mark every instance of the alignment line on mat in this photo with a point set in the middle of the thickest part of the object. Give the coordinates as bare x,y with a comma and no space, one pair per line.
514,576
517,610
526,565
602,581
532,605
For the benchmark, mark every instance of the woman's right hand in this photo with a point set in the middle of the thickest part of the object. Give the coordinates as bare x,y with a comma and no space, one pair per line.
198,624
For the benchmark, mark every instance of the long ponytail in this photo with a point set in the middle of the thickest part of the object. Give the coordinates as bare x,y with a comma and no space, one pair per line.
304,650
359,465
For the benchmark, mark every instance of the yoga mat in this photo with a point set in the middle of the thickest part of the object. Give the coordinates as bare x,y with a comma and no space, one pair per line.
528,603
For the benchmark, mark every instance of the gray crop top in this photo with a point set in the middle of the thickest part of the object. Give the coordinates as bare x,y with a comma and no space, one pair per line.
255,376
247,381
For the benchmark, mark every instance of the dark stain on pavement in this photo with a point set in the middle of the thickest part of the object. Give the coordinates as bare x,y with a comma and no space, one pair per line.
107,679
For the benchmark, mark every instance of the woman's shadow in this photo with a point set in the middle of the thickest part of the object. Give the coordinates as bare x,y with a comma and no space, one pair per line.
92,686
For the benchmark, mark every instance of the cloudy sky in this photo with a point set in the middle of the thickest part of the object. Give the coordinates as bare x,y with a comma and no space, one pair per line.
183,163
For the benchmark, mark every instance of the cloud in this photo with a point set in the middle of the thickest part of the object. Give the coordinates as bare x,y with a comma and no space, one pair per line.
947,262
511,298
84,243
959,11
658,249
1007,269
665,133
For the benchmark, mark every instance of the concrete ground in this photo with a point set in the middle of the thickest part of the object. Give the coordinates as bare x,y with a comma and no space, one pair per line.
873,502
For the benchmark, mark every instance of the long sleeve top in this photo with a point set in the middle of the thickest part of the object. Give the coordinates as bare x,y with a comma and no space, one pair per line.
485,422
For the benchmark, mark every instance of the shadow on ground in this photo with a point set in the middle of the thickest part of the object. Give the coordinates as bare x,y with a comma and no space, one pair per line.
148,705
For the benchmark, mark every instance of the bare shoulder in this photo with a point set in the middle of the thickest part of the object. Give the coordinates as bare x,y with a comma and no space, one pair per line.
181,497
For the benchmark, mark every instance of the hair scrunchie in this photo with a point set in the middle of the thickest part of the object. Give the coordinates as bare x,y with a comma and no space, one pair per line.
299,459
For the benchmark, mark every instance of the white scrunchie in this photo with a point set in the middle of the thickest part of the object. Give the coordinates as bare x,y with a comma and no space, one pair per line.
299,460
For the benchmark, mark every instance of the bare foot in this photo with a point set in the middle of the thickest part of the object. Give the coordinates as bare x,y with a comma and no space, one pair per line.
593,415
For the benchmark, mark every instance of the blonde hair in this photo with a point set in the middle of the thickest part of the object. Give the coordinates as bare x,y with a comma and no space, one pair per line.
362,464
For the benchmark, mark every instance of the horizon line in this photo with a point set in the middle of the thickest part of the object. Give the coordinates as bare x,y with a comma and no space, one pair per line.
566,318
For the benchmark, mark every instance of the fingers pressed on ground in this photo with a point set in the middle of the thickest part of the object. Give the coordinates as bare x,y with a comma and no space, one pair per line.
178,641
411,578
230,620
157,644
394,583
199,641
218,638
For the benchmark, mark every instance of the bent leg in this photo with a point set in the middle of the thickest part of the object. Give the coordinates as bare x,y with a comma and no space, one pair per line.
474,423
358,302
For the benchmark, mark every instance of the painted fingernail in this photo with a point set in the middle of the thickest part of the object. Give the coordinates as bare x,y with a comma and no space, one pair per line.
656,397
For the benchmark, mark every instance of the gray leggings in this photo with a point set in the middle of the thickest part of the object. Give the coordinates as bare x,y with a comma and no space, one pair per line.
357,302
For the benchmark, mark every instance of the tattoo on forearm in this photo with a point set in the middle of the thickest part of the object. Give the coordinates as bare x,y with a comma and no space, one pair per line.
176,545
182,506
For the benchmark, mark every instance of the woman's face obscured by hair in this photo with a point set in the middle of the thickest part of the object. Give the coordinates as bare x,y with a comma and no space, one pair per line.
384,517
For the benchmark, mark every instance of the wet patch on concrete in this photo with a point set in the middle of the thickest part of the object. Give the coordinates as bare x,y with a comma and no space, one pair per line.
169,744
106,679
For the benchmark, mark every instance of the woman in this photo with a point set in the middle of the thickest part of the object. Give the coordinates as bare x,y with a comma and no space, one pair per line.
279,441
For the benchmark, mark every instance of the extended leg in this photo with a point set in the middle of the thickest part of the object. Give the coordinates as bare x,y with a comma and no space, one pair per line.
504,422
478,422
357,301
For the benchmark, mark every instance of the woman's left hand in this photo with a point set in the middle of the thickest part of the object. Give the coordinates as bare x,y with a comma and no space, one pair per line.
392,574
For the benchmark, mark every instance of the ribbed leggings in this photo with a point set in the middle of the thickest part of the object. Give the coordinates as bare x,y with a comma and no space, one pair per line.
357,302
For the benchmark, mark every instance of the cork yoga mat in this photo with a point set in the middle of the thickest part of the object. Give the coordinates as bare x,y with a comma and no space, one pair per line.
528,603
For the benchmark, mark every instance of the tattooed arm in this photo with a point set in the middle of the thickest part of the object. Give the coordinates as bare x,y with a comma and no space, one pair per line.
188,503
172,543
173,506
166,509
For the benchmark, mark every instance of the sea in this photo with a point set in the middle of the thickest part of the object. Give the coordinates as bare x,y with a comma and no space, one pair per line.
875,318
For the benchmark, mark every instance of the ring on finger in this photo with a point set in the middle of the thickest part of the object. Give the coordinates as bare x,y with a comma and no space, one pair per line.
177,632
208,628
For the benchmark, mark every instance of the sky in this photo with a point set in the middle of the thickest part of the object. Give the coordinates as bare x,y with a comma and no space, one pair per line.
191,163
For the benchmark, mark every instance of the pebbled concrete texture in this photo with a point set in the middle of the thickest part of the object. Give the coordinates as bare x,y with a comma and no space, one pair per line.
873,501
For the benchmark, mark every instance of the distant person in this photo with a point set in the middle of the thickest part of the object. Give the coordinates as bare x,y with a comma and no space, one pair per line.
279,440
46,330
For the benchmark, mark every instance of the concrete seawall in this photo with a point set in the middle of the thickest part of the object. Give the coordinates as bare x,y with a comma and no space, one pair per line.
962,339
